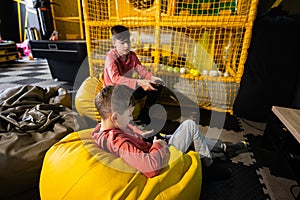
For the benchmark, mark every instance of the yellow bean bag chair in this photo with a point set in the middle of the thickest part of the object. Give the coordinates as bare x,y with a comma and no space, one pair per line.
75,168
85,96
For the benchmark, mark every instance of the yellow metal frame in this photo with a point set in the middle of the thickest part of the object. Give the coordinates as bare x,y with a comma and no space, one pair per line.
77,19
19,2
243,19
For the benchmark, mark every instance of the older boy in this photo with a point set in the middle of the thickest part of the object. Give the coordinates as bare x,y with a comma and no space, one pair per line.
116,135
120,64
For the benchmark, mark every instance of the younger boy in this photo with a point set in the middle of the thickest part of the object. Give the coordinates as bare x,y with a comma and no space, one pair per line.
115,105
115,134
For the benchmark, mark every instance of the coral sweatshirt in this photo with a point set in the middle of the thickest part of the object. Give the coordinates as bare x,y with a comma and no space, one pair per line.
118,71
145,157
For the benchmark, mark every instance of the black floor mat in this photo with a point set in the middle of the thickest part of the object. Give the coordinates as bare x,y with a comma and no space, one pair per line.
244,184
205,117
219,120
270,157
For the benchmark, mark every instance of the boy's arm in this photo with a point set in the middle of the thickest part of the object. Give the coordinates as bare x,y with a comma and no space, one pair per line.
147,75
150,163
144,73
113,77
140,69
143,134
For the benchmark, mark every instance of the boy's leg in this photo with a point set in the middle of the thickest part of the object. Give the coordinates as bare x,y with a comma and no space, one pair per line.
152,97
230,149
188,133
214,145
138,94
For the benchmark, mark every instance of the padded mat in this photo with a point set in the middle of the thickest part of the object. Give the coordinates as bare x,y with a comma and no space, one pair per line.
268,157
243,184
219,120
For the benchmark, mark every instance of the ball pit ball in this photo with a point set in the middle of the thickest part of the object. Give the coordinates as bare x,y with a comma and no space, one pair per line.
205,72
176,69
170,69
182,70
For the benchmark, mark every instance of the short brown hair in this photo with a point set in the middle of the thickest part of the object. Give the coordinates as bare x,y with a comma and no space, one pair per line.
120,32
114,98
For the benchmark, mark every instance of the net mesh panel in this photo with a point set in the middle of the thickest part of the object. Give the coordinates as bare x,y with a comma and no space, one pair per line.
198,47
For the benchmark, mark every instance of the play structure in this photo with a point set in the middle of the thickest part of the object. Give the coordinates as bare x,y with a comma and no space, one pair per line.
198,47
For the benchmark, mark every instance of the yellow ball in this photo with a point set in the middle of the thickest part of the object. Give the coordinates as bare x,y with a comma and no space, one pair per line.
164,67
196,72
176,69
170,69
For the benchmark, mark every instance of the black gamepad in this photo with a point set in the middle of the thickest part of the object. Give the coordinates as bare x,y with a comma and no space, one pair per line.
159,82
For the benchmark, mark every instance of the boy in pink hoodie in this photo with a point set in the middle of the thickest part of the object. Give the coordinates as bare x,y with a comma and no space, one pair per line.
116,135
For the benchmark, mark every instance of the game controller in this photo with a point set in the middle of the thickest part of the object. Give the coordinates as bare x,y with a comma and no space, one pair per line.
159,82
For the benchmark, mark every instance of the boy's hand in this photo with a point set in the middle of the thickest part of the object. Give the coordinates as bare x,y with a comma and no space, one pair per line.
165,137
148,134
141,133
157,80
146,84
160,141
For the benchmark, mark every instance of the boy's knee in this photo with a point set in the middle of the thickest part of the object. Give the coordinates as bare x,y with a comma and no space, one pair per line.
190,123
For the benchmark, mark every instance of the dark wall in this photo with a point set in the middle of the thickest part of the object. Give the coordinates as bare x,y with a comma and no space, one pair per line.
272,68
9,20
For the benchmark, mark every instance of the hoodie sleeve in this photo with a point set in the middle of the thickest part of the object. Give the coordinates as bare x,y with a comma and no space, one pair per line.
112,75
149,163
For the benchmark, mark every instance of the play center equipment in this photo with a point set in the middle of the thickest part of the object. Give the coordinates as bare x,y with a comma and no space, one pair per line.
198,47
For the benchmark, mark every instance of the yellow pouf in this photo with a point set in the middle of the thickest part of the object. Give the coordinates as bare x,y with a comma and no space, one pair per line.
75,168
85,99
